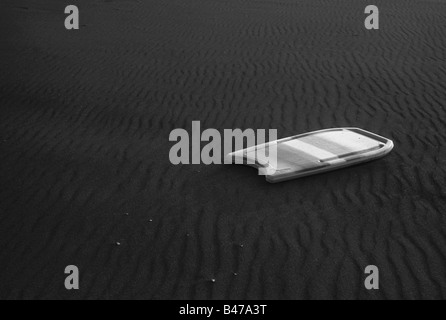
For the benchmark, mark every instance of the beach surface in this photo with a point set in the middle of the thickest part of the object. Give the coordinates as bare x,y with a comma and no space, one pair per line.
85,176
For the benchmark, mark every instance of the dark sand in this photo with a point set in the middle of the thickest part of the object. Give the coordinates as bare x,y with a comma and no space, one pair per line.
84,126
